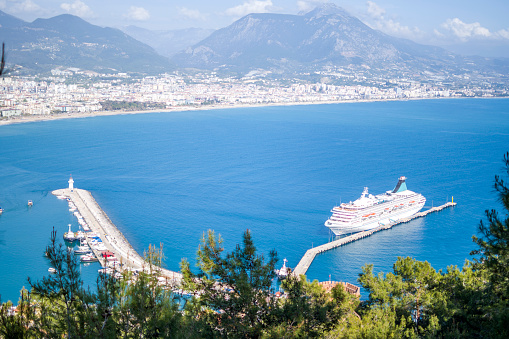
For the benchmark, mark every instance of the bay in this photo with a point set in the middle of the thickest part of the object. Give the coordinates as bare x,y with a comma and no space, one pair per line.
277,171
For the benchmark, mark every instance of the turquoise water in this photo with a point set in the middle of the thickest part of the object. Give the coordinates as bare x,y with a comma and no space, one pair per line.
168,177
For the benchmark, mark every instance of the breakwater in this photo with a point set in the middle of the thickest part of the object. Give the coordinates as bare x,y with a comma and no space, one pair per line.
310,254
114,241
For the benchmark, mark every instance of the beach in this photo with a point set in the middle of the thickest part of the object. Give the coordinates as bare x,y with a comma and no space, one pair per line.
75,115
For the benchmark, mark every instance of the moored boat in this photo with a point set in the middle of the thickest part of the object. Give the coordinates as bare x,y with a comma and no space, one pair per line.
81,250
371,211
80,235
88,258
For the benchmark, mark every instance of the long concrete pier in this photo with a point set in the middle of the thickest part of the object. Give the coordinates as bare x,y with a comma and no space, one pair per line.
310,254
111,237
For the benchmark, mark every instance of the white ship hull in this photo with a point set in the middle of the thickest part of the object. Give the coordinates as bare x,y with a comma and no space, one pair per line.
354,228
369,212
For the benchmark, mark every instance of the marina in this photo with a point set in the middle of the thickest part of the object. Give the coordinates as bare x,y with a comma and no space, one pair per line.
310,254
107,244
112,251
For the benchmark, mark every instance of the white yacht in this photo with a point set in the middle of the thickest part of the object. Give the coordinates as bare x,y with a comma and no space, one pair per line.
371,211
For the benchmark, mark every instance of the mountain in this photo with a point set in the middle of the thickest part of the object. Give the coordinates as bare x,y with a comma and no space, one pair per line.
170,42
327,35
68,40
9,21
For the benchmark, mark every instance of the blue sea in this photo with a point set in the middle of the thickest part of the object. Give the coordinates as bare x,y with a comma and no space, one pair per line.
166,178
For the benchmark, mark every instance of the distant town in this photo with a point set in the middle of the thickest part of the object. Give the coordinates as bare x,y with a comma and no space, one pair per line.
73,90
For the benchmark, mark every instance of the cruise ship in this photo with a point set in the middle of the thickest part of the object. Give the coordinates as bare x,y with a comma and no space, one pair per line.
371,211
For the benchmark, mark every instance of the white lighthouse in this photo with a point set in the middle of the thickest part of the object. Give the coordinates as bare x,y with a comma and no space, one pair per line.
71,184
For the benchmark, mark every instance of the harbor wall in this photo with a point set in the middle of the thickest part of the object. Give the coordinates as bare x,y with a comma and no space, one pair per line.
115,242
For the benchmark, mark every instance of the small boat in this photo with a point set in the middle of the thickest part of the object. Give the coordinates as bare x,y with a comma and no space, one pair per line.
69,236
107,270
1,210
82,250
100,247
52,270
283,272
80,235
88,258
30,203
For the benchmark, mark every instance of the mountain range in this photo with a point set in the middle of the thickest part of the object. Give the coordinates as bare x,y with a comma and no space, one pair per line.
326,36
68,40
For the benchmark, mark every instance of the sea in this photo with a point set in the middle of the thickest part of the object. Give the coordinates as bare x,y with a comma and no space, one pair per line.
167,178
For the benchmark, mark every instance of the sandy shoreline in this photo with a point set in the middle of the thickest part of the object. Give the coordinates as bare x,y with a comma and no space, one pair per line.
35,118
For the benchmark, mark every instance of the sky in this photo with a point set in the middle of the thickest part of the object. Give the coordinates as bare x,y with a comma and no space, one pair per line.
462,26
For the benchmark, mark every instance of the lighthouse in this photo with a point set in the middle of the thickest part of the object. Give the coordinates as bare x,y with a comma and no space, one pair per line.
71,184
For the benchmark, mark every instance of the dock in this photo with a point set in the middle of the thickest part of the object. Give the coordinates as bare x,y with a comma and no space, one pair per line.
310,254
112,238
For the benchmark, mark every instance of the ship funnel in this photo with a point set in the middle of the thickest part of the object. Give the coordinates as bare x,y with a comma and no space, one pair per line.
401,186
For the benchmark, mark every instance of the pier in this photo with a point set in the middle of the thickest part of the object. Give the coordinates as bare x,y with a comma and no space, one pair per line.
310,254
112,238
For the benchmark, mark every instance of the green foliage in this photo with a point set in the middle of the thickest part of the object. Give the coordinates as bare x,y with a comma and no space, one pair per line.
145,309
67,301
134,306
411,293
22,324
236,290
494,258
309,311
111,105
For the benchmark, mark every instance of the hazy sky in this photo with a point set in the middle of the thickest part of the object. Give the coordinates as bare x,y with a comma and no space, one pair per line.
480,27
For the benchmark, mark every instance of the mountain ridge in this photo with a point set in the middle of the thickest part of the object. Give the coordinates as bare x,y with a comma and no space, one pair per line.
327,35
67,40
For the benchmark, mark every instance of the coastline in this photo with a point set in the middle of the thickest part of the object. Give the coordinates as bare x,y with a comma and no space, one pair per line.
51,117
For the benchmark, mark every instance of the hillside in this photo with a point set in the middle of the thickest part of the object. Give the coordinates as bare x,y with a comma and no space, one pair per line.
328,35
67,40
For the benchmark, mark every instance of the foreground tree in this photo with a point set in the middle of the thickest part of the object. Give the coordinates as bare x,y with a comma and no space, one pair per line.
2,60
65,307
411,293
493,254
133,306
236,294
20,321
308,310
144,308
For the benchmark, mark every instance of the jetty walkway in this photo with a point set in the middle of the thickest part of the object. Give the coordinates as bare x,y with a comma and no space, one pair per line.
310,254
111,237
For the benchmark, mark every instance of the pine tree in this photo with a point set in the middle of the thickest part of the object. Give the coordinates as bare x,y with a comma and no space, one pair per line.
493,254
236,295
